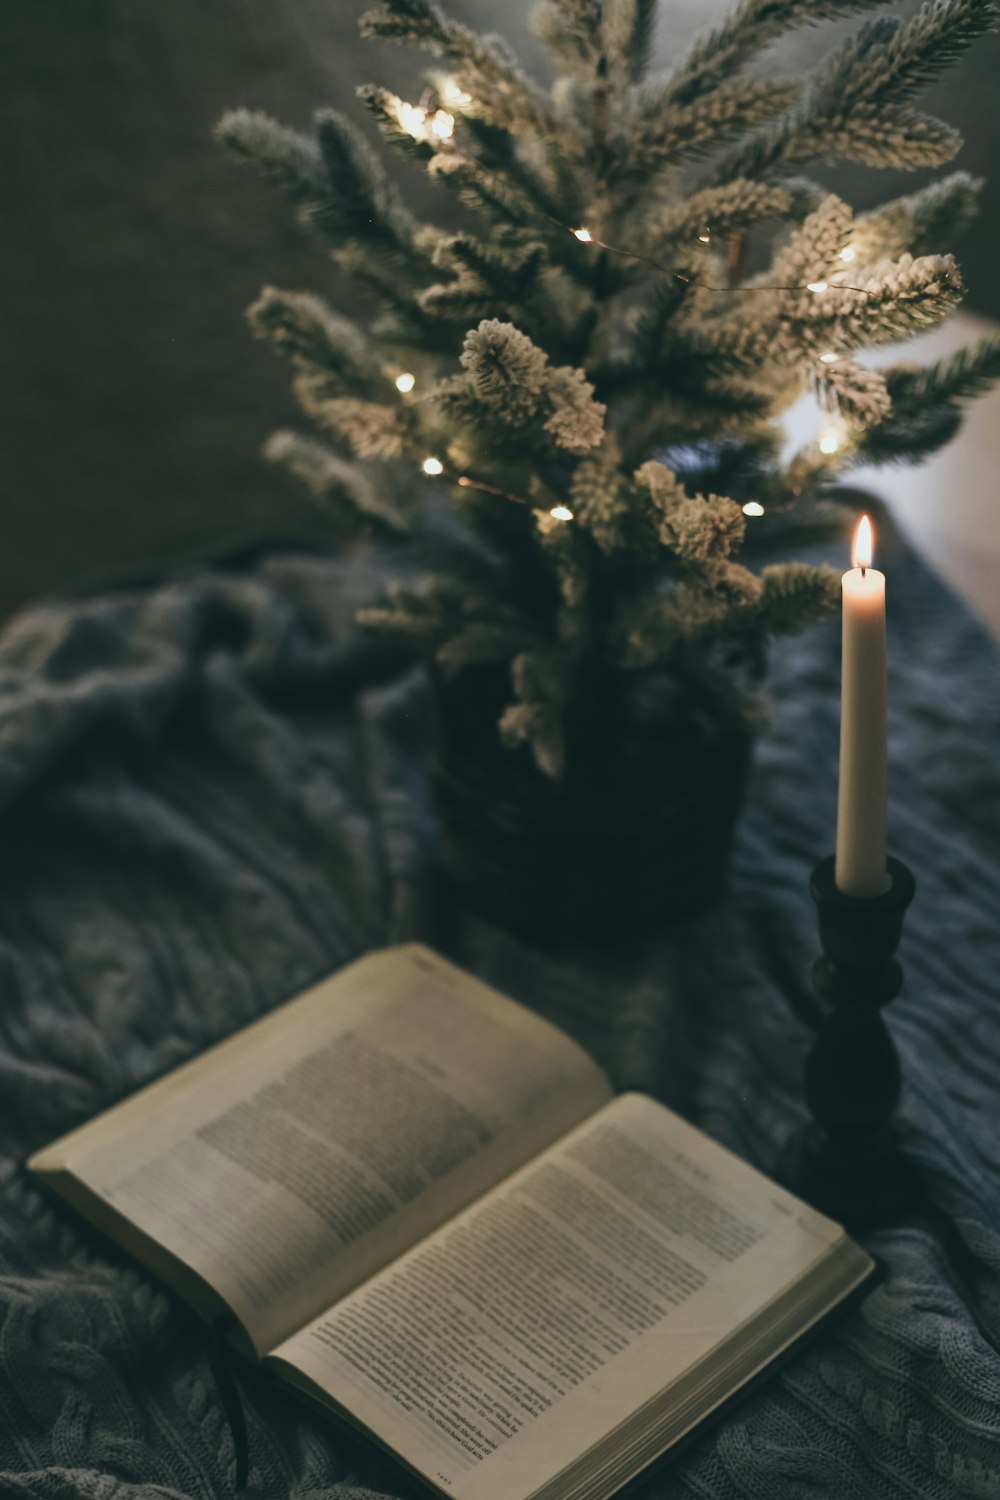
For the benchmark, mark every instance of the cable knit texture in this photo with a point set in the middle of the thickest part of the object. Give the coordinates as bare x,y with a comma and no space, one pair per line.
212,792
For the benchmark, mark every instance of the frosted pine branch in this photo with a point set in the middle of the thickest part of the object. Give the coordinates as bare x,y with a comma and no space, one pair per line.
575,420
859,395
570,557
512,383
287,159
573,32
483,276
890,300
343,489
926,412
969,372
598,497
440,608
695,529
901,59
629,25
811,252
423,614
480,642
723,602
535,719
859,105
862,103
361,205
463,301
369,428
745,32
304,328
794,595
920,223
903,139
662,133
716,212
506,371
481,190
701,529
507,273
485,65
907,436
538,168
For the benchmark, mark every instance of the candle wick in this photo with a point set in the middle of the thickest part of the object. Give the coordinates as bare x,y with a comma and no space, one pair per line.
862,570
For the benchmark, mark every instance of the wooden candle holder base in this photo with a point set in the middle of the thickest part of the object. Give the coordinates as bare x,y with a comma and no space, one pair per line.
847,1163
861,1188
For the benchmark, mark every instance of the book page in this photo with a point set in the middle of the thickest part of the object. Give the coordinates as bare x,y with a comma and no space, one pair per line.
513,1339
299,1156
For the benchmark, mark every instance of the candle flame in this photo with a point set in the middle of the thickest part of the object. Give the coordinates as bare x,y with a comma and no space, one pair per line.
863,544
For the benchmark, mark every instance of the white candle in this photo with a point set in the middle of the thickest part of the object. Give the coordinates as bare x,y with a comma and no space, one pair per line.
861,806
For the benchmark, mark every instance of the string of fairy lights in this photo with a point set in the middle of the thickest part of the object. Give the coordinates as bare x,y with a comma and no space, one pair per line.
436,127
704,237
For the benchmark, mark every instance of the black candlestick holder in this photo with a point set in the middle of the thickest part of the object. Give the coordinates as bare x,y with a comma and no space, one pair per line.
846,1162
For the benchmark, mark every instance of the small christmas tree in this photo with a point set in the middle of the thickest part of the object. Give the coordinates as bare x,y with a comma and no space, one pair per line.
589,367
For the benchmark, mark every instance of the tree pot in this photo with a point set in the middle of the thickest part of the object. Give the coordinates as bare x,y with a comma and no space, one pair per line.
637,833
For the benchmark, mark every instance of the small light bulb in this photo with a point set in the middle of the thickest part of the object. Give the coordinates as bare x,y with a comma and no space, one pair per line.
561,513
584,235
432,466
753,508
817,286
705,236
442,125
412,119
829,441
405,382
453,94
848,253
828,359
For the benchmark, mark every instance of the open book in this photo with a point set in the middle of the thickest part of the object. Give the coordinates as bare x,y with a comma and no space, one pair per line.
423,1205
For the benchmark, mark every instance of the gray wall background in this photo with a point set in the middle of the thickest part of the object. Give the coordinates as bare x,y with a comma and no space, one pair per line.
134,402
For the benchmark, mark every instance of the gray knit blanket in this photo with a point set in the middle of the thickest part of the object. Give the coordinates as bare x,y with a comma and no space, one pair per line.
213,791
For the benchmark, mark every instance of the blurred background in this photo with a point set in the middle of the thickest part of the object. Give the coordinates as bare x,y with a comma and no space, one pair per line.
134,400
